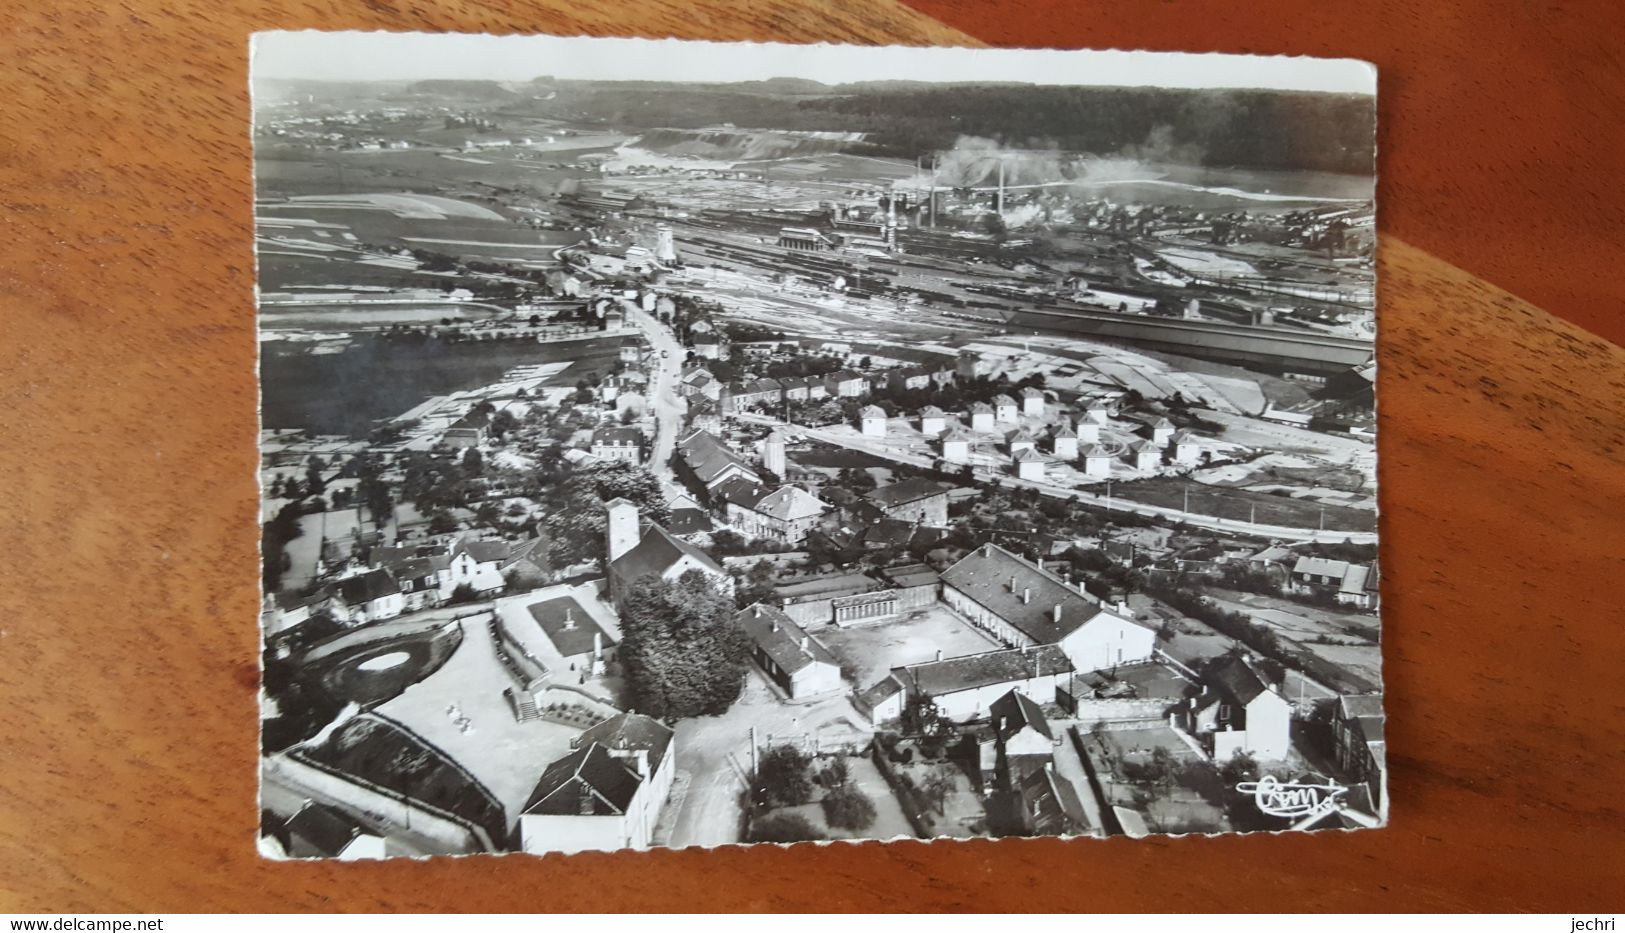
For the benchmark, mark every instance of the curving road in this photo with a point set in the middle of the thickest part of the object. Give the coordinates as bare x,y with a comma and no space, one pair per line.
668,406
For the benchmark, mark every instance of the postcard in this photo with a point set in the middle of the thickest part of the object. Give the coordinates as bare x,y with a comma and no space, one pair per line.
672,444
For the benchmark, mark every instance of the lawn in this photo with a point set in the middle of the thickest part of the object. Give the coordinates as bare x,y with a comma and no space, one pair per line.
1243,505
1187,802
868,652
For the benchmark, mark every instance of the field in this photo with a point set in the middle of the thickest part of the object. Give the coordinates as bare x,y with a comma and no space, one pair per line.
868,652
374,378
1245,505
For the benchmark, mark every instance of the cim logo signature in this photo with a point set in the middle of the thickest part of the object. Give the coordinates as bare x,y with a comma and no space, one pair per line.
1293,800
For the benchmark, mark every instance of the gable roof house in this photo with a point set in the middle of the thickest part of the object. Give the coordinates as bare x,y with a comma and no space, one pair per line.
1023,736
1020,603
784,514
708,462
1237,711
1050,805
793,659
366,597
915,500
654,551
1362,749
965,688
322,831
607,794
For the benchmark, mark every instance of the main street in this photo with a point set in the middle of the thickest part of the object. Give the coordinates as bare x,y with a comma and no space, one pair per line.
1234,526
664,401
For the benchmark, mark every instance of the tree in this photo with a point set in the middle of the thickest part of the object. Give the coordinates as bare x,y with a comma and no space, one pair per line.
783,827
757,585
473,461
781,777
847,807
682,652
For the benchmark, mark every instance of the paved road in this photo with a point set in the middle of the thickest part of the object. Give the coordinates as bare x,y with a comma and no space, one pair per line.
667,404
884,451
713,757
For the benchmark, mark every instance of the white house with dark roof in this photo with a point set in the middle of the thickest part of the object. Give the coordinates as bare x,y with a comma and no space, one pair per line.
981,416
618,443
1161,431
1023,604
1351,584
795,660
956,443
635,552
1020,439
710,462
1004,409
1097,461
786,514
606,794
913,500
873,421
1032,402
965,688
1144,455
933,421
1063,442
366,597
1184,448
1237,711
1028,464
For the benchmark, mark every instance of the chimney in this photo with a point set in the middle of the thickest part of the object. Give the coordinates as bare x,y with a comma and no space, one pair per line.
598,645
1055,615
1012,583
1026,595
641,757
1122,608
939,654
805,643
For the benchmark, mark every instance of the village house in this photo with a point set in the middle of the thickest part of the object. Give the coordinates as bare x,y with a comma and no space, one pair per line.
1088,431
1020,604
1362,750
1004,409
956,443
1050,805
1096,412
605,795
758,393
873,421
933,421
698,381
618,444
634,553
366,597
322,831
798,388
969,365
1032,402
1238,712
981,417
1063,442
918,500
1144,455
704,415
965,688
797,662
1029,464
914,377
708,463
1097,461
476,564
471,430
1161,431
711,346
1022,738
631,350
1184,449
846,384
1020,439
1349,583
785,514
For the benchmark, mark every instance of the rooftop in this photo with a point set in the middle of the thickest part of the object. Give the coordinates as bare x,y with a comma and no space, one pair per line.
909,490
790,647
969,672
1038,603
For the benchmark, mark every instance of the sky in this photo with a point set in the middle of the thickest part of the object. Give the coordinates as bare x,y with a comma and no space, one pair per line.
377,56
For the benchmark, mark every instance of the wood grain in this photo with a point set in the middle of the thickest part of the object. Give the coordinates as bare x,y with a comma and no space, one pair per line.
127,598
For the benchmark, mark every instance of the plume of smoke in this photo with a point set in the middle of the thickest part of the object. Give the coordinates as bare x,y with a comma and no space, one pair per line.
974,162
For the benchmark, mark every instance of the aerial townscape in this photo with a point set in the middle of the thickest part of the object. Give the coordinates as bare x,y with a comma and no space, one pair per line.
682,464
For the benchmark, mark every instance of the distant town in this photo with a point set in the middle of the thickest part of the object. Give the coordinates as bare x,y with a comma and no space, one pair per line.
634,478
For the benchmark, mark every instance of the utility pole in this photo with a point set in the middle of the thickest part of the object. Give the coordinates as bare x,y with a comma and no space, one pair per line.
753,753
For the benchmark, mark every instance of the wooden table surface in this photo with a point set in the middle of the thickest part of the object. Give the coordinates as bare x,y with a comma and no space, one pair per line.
127,495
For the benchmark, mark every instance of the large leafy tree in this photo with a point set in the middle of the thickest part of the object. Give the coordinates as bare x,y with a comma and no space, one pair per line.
578,521
682,652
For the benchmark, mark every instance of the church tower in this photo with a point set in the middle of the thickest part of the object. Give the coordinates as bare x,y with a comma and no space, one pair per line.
622,531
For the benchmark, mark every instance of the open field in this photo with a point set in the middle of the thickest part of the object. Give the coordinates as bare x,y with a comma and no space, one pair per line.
1245,505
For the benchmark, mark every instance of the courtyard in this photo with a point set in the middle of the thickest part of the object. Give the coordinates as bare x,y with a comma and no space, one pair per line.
869,652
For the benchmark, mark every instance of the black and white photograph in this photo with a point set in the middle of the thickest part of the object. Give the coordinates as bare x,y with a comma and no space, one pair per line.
674,444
